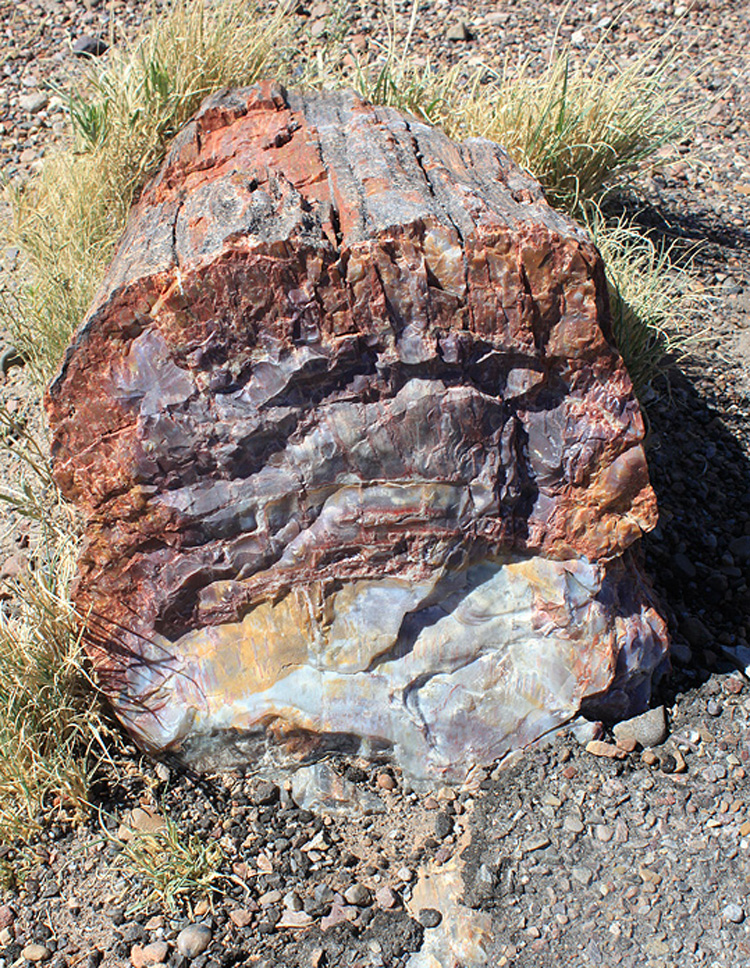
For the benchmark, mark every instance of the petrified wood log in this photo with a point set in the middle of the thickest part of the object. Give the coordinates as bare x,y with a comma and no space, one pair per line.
359,462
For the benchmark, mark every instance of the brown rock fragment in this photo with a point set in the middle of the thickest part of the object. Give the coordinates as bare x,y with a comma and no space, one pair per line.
143,956
140,821
598,747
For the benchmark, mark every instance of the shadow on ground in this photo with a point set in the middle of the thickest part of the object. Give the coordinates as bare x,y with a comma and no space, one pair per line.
704,234
697,557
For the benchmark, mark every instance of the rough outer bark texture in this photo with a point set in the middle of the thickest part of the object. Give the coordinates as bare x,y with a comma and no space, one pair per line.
358,459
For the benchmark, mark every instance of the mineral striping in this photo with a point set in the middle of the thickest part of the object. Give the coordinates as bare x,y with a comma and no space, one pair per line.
359,464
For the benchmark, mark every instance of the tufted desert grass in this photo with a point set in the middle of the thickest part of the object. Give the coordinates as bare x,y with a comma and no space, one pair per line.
53,734
173,869
578,127
653,296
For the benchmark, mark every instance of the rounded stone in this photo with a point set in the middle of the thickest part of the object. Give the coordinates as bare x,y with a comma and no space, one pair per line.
681,653
33,102
193,940
87,46
443,825
648,729
696,633
668,763
740,547
358,895
151,954
36,953
733,913
430,917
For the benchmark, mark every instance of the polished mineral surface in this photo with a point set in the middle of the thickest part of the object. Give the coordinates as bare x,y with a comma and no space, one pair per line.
359,464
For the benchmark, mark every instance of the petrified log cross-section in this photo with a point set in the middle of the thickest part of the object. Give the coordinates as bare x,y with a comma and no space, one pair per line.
359,462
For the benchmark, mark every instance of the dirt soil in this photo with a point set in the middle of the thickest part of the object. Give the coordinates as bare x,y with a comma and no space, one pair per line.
565,858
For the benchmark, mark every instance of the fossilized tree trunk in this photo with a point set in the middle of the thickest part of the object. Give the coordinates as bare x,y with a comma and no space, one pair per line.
358,459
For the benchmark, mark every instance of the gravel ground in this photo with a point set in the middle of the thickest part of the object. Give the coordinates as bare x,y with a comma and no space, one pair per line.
580,853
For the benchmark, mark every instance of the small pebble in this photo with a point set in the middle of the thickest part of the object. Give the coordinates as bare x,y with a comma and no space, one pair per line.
86,46
573,825
430,917
536,842
647,730
385,898
681,652
7,916
162,772
599,748
36,953
358,895
269,898
292,901
668,763
733,913
295,919
586,730
581,874
193,940
141,956
33,102
443,825
241,917
626,743
265,793
458,32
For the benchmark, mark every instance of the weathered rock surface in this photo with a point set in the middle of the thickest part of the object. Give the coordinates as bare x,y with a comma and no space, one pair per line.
359,463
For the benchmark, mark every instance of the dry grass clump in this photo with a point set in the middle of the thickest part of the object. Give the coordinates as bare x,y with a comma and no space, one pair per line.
652,299
66,222
68,219
174,869
578,128
52,734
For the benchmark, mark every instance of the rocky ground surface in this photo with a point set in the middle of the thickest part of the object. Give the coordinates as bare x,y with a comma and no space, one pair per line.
582,852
